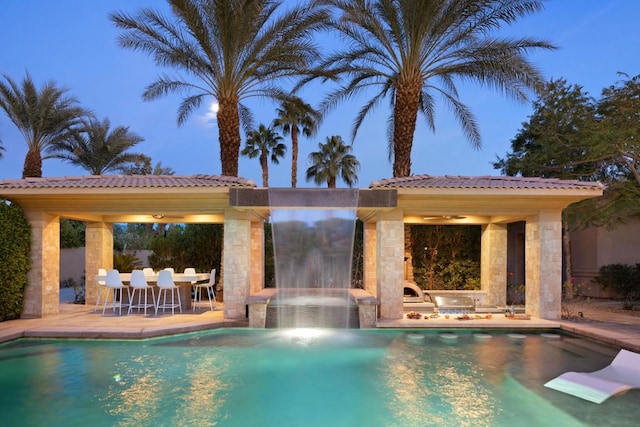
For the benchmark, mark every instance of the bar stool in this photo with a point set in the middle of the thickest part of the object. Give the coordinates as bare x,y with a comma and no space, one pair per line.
103,291
209,287
114,284
166,284
139,283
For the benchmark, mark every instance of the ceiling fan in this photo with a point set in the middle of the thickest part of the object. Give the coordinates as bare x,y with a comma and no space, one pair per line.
165,217
445,217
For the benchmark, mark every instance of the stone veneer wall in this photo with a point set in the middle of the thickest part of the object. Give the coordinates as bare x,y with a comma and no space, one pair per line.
237,264
98,254
257,257
493,273
390,255
42,295
370,247
543,248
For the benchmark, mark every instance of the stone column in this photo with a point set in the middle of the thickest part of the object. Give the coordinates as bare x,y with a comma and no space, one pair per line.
369,258
98,254
543,266
42,296
237,263
390,263
257,257
493,264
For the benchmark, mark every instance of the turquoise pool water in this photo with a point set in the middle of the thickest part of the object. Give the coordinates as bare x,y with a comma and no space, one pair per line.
249,377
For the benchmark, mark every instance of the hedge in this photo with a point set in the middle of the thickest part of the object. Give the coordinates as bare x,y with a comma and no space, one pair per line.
15,253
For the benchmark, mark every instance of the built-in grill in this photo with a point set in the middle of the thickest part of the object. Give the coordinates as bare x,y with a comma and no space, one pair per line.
454,304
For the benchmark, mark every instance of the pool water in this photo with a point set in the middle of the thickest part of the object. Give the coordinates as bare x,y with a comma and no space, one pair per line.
306,377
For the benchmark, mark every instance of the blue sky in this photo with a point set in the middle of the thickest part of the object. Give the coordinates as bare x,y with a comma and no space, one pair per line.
73,43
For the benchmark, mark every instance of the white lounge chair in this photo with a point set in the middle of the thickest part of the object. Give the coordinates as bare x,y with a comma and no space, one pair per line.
621,375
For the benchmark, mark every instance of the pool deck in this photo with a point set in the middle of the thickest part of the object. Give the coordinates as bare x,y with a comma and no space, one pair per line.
80,321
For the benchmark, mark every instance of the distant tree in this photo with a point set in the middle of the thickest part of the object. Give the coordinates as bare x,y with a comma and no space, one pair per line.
558,140
333,160
158,169
44,116
230,50
296,117
99,150
619,114
130,237
412,51
143,167
72,233
265,144
194,245
573,136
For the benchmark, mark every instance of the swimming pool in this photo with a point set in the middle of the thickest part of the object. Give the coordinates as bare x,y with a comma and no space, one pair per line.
306,377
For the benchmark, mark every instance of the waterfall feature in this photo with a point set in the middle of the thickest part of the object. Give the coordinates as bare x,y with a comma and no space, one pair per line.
313,234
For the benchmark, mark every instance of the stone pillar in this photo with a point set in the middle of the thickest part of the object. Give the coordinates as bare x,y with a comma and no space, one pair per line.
493,264
98,254
42,296
369,258
543,265
390,263
257,257
237,263
257,312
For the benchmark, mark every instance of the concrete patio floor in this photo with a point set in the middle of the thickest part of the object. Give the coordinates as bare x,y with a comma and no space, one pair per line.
81,321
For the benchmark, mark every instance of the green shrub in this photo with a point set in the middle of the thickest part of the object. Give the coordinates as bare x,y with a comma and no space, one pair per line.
460,275
126,263
621,279
15,252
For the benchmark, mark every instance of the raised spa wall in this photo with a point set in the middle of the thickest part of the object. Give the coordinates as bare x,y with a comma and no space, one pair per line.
257,307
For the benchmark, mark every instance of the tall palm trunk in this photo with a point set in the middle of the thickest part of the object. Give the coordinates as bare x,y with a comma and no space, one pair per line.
265,168
229,134
405,114
32,164
294,156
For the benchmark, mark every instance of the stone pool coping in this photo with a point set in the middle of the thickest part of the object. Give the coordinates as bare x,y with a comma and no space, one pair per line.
80,321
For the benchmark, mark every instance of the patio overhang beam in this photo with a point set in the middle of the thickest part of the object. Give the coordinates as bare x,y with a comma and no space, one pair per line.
369,200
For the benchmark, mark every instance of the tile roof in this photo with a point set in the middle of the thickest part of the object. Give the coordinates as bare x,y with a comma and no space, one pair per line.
495,182
126,181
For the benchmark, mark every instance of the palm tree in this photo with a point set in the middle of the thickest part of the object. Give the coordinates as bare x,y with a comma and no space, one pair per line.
333,159
295,116
44,116
230,50
263,142
414,50
98,150
158,169
143,167
1,149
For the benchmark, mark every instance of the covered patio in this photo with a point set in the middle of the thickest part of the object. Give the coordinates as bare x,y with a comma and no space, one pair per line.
386,206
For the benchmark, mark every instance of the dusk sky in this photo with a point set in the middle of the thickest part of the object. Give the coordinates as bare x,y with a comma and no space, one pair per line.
73,43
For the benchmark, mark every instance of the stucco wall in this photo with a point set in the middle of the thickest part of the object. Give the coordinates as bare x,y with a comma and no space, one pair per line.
594,247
